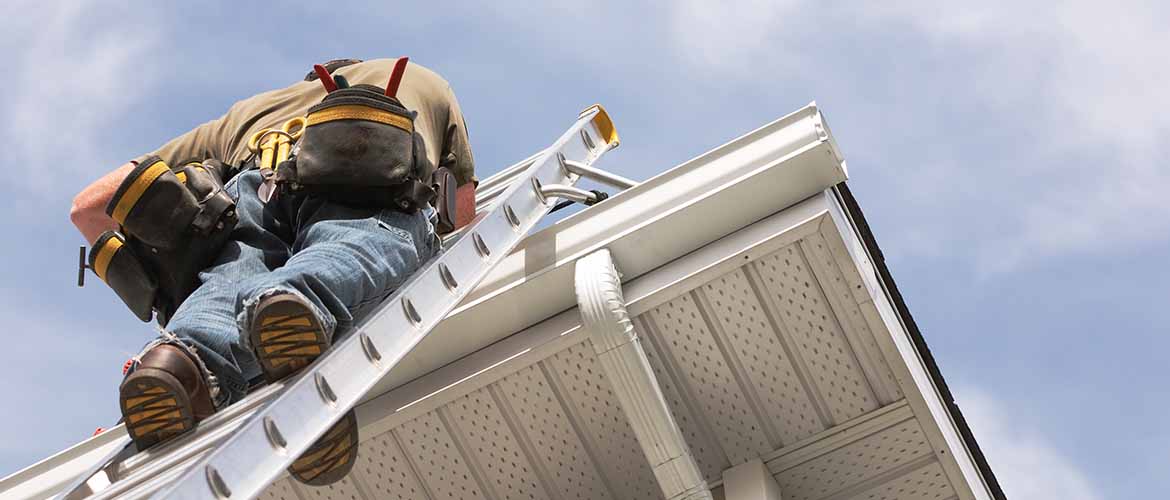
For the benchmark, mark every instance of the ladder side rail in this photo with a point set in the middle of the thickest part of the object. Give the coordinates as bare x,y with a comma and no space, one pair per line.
159,460
310,402
79,487
500,181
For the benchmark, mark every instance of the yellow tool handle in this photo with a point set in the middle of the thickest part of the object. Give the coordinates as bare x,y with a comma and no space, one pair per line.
282,148
266,153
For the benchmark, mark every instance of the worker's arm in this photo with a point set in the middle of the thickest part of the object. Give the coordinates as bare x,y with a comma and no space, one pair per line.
209,140
456,156
89,206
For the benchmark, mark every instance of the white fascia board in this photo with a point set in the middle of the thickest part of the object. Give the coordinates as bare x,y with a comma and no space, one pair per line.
644,227
918,385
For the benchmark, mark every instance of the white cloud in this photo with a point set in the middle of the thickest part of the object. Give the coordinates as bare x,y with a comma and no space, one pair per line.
1084,82
1093,86
1026,465
732,37
75,80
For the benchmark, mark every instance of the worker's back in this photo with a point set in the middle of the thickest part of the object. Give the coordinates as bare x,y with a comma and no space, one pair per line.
439,120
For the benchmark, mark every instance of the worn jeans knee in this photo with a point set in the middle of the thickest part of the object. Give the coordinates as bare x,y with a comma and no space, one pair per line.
345,261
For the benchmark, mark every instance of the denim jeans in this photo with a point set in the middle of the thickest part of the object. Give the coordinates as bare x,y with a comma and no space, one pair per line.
343,260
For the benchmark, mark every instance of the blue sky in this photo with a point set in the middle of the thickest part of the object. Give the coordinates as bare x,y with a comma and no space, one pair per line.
1010,156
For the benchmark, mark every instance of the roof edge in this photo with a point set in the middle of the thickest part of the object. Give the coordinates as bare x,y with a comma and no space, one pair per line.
857,219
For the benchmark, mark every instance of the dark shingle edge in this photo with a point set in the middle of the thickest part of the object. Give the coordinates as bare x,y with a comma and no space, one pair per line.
875,253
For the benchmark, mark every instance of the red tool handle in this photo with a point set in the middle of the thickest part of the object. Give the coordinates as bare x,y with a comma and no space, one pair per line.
396,76
326,78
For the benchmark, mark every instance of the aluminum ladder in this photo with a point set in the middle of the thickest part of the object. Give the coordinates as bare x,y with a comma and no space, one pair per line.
242,449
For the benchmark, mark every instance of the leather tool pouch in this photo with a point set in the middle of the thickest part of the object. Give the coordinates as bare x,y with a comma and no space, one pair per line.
118,265
359,147
175,222
443,182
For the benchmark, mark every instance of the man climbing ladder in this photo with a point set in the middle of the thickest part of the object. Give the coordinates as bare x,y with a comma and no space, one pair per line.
258,237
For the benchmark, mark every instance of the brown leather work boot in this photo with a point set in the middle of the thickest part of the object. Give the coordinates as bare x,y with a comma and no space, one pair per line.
286,337
166,395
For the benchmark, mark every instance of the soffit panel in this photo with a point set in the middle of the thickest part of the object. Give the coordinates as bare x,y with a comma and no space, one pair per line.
440,463
761,359
857,462
756,344
698,434
579,379
928,482
555,442
480,425
793,294
845,292
280,490
346,489
385,471
686,340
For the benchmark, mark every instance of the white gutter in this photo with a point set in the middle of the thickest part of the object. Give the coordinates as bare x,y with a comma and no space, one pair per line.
644,227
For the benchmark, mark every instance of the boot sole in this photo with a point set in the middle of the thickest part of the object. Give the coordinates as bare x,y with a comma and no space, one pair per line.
287,337
330,458
155,407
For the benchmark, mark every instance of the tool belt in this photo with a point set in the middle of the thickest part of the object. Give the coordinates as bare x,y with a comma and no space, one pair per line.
173,225
358,146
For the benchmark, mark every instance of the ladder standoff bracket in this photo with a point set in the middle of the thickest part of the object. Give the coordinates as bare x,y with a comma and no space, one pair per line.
596,174
570,193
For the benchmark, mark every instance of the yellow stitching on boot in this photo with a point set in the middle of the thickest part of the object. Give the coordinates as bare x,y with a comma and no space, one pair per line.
135,401
359,112
152,427
300,351
167,412
105,254
284,337
313,456
182,176
289,321
134,192
292,319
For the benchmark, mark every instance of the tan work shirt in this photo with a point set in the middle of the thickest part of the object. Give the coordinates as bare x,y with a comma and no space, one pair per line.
439,120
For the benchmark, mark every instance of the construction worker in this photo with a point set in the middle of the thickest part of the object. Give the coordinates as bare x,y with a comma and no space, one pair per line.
334,192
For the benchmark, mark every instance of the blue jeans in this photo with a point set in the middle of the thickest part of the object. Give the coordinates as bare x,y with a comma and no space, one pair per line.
343,260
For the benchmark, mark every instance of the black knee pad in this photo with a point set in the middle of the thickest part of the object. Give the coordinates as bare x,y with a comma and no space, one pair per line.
115,262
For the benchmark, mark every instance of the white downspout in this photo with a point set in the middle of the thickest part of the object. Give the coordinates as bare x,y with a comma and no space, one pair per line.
619,351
